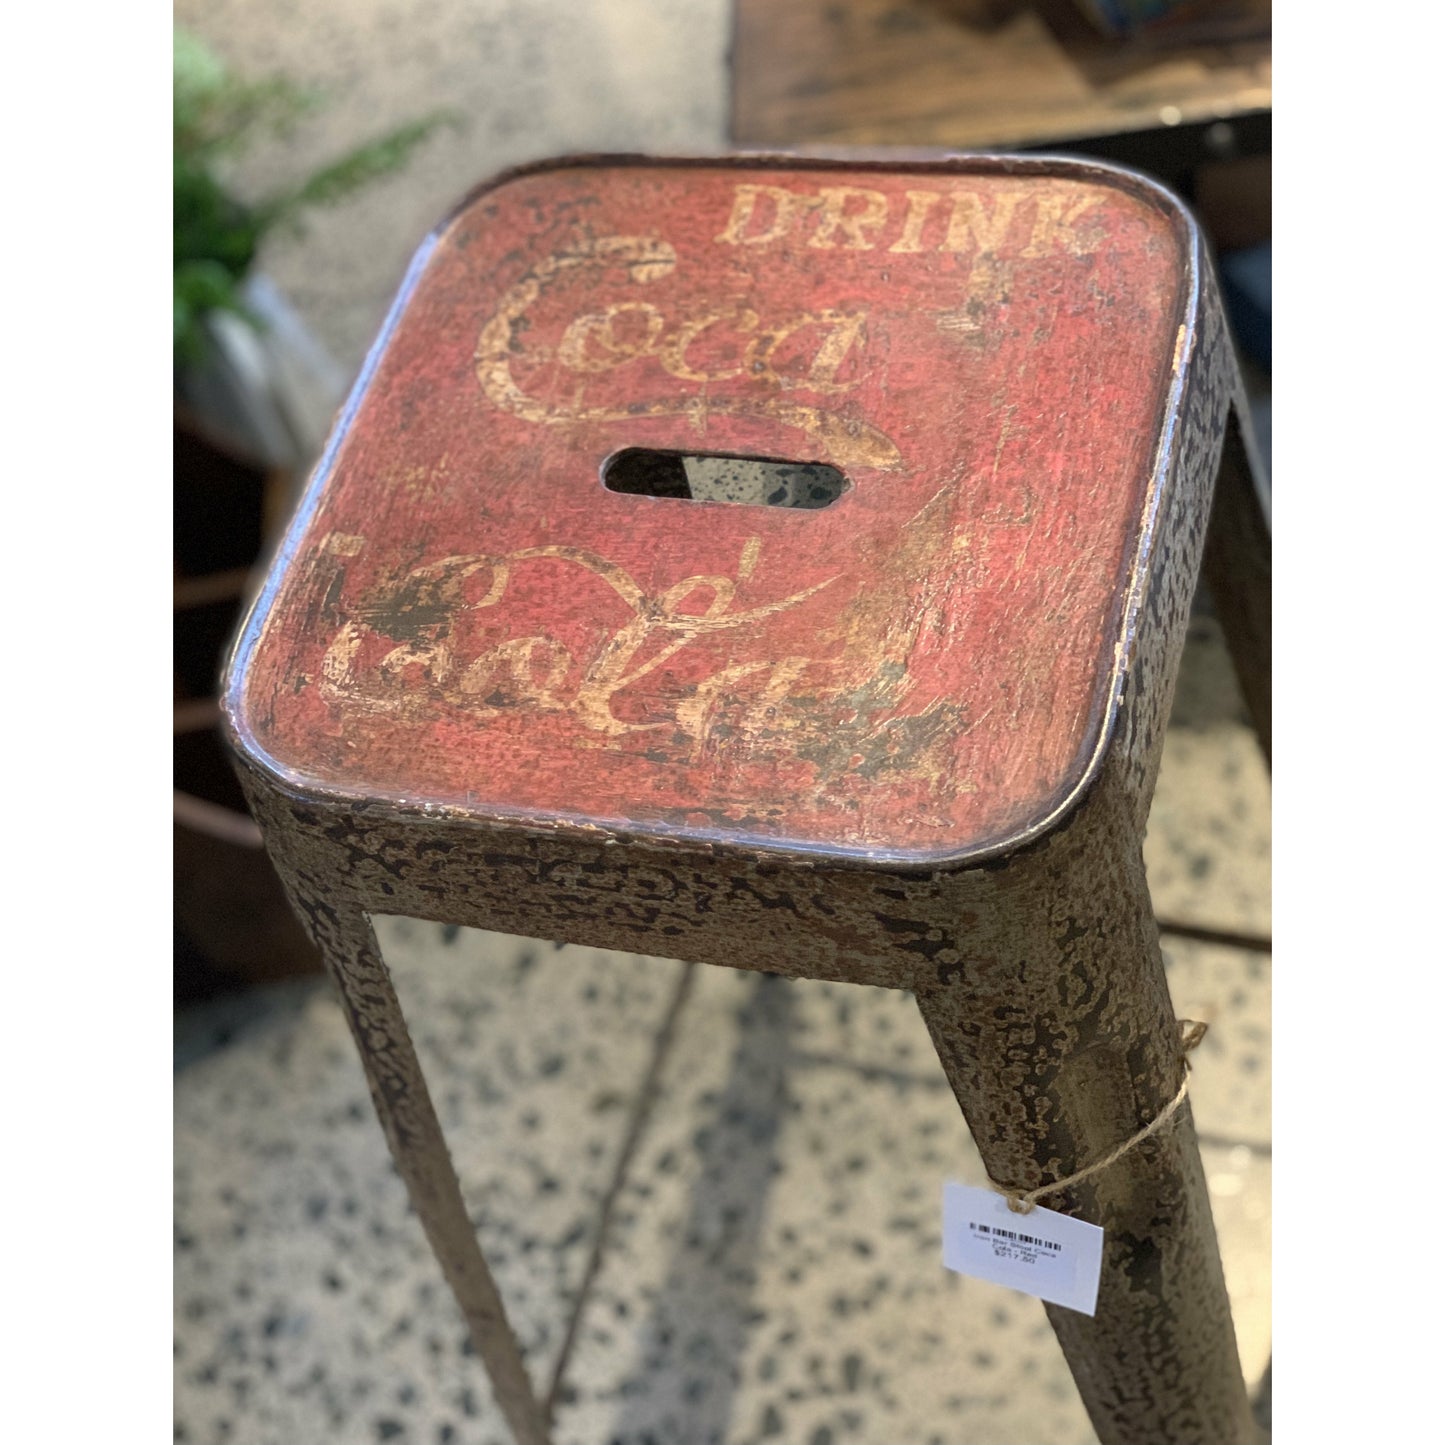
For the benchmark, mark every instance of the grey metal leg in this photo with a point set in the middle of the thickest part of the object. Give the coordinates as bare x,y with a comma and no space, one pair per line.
344,935
1058,1037
1237,568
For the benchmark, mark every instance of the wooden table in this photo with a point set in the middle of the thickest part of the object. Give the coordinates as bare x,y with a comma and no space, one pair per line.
982,74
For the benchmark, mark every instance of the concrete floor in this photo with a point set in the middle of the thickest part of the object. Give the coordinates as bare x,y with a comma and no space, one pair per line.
773,1271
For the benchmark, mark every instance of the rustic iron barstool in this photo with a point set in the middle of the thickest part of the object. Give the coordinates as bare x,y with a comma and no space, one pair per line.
900,727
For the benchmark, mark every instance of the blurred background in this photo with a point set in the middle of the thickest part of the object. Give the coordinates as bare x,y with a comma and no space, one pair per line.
771,1266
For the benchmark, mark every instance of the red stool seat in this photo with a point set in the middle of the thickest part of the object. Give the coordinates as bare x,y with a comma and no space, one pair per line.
920,672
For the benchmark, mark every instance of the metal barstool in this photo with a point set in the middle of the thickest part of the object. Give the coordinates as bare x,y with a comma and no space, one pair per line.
784,564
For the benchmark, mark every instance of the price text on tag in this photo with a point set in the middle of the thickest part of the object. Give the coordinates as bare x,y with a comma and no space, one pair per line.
1042,1253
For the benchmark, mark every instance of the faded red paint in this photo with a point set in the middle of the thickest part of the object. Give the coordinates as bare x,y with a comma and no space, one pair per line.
465,617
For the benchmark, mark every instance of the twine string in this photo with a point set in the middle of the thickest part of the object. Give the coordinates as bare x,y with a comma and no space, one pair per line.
1021,1201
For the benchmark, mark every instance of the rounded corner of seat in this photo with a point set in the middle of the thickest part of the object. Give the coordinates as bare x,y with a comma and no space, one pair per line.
1171,207
541,168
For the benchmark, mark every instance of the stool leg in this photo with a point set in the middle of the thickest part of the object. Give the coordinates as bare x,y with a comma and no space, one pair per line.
1059,1040
346,940
1237,568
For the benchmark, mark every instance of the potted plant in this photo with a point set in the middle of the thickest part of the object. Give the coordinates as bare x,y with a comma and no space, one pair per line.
254,394
239,350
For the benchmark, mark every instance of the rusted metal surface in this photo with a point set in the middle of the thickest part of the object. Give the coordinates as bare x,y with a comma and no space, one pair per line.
912,748
343,933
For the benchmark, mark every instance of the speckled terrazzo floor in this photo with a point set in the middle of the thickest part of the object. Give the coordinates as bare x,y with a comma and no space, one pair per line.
772,1273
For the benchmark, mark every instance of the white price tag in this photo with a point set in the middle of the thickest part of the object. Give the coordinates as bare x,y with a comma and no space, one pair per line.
1049,1255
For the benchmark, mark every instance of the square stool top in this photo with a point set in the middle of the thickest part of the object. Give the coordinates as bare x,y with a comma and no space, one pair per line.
463,619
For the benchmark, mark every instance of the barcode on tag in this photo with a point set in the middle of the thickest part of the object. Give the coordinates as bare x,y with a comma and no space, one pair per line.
1043,1253
1017,1238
